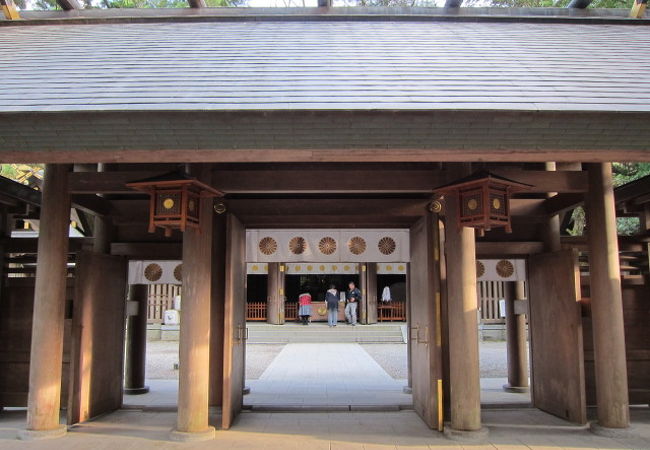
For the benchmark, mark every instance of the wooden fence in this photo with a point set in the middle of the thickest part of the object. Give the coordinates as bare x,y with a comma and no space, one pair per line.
489,294
161,298
256,311
291,311
394,311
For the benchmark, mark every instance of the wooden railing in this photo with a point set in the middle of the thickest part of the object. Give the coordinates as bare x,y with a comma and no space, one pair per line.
489,294
256,311
161,298
394,311
290,311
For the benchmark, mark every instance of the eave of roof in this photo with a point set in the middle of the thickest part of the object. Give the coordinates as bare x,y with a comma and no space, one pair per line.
596,16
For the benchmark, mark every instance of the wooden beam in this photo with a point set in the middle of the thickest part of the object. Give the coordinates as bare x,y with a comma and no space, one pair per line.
314,180
638,9
508,249
29,245
69,5
562,203
9,10
92,204
148,250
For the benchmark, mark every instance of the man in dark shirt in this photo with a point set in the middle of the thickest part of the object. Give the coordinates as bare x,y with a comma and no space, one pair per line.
353,297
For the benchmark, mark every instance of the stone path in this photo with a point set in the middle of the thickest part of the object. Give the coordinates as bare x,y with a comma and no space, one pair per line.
326,374
527,429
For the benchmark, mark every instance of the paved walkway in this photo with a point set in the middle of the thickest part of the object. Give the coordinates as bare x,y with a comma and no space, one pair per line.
509,430
326,375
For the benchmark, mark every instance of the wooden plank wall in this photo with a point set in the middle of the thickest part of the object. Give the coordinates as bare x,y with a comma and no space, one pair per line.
636,316
17,306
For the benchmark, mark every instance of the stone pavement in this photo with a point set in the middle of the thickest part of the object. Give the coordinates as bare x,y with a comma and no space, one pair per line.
326,375
403,430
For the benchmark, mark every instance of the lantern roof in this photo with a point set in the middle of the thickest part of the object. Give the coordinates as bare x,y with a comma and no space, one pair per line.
482,176
175,178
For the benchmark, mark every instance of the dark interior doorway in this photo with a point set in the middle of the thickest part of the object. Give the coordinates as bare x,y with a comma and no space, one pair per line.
316,285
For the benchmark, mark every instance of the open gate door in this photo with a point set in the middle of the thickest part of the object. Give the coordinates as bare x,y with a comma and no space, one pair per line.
424,329
557,358
97,351
234,350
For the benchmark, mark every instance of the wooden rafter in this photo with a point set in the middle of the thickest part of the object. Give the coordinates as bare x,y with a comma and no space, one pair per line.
9,10
638,9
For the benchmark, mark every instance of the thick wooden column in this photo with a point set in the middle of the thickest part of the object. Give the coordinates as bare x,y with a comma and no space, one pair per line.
362,306
217,308
275,294
606,300
44,400
462,306
194,351
516,339
551,229
371,292
136,340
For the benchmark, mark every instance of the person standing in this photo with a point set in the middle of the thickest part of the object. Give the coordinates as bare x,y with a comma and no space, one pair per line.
353,297
304,301
332,303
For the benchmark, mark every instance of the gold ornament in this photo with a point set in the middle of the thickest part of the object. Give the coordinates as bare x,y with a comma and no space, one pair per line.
505,269
298,245
327,245
357,245
387,245
268,245
153,272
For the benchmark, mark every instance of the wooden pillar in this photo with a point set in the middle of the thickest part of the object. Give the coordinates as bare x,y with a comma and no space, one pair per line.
371,292
275,294
218,294
194,350
362,307
551,229
606,300
408,389
465,390
136,340
516,339
44,399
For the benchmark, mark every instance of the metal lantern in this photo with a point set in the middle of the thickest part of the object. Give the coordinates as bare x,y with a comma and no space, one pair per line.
483,200
174,200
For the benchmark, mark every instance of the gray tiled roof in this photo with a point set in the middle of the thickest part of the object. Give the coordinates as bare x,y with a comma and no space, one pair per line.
325,65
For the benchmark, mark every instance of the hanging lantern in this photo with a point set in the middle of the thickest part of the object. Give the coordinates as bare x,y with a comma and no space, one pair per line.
174,200
483,200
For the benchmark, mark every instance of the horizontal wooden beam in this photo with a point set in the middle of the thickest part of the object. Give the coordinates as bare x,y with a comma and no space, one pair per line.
352,180
486,249
148,250
30,245
563,202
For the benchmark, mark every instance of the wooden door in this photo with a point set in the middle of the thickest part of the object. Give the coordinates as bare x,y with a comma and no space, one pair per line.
97,351
425,340
234,350
558,378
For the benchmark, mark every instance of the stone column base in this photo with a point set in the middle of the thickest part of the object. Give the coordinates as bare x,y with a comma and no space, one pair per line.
193,436
614,433
475,436
136,391
37,435
407,390
516,389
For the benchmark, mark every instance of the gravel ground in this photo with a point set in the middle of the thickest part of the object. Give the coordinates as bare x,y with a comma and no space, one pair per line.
258,358
162,355
391,357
